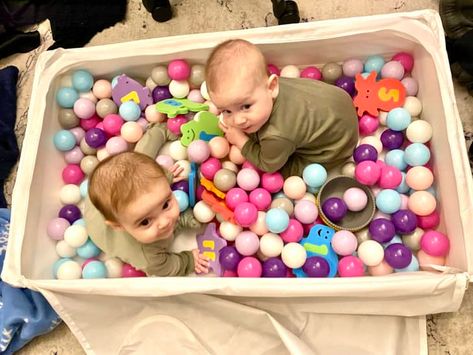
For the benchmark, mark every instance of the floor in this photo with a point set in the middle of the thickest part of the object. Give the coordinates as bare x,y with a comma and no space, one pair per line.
446,332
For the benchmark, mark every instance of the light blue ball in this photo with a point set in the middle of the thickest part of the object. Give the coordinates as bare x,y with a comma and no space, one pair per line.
64,140
313,190
84,188
80,222
416,154
277,220
374,62
398,119
314,175
365,74
65,97
57,264
396,239
413,266
403,187
82,80
88,250
130,111
182,199
94,270
114,80
388,201
395,158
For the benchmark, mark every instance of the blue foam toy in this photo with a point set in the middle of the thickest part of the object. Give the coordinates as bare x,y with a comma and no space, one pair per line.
193,184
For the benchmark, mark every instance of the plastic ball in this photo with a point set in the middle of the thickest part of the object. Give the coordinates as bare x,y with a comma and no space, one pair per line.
311,73
89,123
344,242
381,230
69,270
413,266
224,180
413,105
395,158
422,203
355,199
64,140
229,231
245,214
306,211
56,228
160,76
293,255
235,155
182,199
352,67
69,194
294,187
261,198
272,182
178,152
412,240
116,145
411,86
179,88
390,177
249,267
174,124
129,271
374,62
235,196
66,97
350,266
398,119
247,243
72,174
84,108
405,59
274,267
67,118
368,124
316,266
179,69
75,236
383,268
277,220
95,137
435,243
229,258
374,141
367,172
102,89
426,261
365,152
334,208
419,131
131,132
106,107
419,178
182,185
430,221
398,255
112,124
219,147
348,169
371,253
271,245
88,250
210,167
198,151
197,75
203,213
165,161
388,201
248,179
204,91
392,139
284,203
294,231
114,267
346,83
70,212
160,93
331,72
82,80
416,154
290,71
272,69
227,164
129,111
392,69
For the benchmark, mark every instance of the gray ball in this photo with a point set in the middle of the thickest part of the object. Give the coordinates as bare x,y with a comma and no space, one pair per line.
68,119
105,107
331,72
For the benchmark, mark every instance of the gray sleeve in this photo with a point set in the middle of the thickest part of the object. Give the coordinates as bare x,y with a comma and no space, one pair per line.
153,139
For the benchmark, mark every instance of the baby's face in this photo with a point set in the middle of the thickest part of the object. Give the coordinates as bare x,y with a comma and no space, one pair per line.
244,102
153,215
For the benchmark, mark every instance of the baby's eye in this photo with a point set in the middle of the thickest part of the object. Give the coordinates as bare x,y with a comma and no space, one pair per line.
167,204
144,222
226,112
246,107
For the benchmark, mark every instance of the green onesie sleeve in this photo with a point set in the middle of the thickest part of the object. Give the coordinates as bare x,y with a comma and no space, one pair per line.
153,139
161,262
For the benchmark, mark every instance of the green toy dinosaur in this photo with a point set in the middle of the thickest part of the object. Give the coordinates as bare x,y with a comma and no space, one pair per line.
204,126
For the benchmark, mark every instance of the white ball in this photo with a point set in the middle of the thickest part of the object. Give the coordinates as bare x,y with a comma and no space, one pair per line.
75,235
66,81
150,84
227,164
290,71
293,255
419,131
204,91
348,169
186,165
307,196
271,245
64,250
70,194
102,153
413,106
374,141
363,235
229,231
179,88
203,213
114,267
69,270
383,115
89,95
371,252
177,151
166,149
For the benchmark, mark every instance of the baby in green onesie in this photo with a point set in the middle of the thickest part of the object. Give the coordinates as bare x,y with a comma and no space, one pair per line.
280,124
131,213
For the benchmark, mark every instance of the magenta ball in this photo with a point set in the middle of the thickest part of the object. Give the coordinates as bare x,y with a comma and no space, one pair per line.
90,123
174,124
72,174
274,267
56,228
316,266
179,70
198,151
261,198
311,73
367,124
334,208
272,69
130,271
405,59
95,137
430,221
390,177
210,167
272,182
306,211
294,231
435,243
229,258
112,124
247,243
249,267
350,266
367,172
245,214
235,196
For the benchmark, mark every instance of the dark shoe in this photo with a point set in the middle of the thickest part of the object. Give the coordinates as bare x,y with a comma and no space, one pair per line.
286,11
457,17
160,10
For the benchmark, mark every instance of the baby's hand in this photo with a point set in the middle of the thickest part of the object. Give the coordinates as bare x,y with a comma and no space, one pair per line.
235,136
201,262
175,170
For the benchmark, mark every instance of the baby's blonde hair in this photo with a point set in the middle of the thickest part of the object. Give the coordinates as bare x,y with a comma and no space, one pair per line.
234,55
119,179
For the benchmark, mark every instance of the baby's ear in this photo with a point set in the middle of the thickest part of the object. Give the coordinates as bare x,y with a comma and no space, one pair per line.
114,225
273,85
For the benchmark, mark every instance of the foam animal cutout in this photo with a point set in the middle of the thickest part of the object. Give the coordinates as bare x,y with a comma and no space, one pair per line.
128,89
174,107
203,126
210,244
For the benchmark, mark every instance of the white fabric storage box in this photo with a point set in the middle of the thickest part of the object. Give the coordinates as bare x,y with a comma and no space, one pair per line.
208,314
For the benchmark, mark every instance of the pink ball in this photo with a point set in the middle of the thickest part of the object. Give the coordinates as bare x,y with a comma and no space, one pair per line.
368,124
248,179
355,198
248,165
351,67
143,123
294,187
130,271
210,167
306,212
344,242
390,177
293,232
72,174
272,182
405,59
383,268
261,198
174,124
179,70
392,69
235,196
219,147
245,214
311,73
165,161
89,123
198,151
78,133
404,201
350,266
247,243
229,273
249,267
112,123
411,86
195,96
367,172
84,108
435,243
426,259
57,227
430,221
73,156
100,126
116,145
272,69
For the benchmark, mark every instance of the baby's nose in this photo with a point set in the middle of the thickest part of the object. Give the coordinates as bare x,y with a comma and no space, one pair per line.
240,120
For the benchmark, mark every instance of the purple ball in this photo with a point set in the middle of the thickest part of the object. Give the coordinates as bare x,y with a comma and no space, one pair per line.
229,258
161,93
182,185
392,139
274,267
365,152
397,255
334,208
316,266
382,230
95,137
405,221
70,212
346,83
